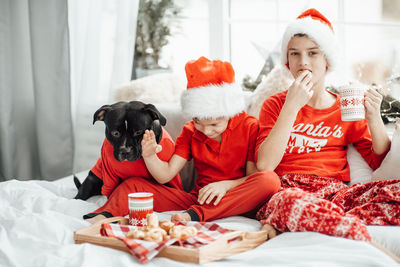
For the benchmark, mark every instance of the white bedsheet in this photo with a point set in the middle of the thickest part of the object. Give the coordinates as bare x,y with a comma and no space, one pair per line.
38,218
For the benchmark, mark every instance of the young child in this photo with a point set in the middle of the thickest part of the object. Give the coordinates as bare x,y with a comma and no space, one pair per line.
221,141
303,139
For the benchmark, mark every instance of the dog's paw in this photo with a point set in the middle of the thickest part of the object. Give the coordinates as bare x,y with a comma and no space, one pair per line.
90,187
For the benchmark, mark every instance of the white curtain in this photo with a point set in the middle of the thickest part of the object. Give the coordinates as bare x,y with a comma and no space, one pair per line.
35,112
59,61
102,36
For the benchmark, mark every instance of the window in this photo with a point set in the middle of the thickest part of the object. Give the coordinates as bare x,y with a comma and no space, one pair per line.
246,31
191,37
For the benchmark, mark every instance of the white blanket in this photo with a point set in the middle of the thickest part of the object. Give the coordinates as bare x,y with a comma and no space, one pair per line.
38,219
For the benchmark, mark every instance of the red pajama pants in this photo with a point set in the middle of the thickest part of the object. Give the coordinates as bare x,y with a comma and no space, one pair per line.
324,205
246,197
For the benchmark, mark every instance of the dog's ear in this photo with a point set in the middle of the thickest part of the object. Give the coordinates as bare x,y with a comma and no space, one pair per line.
100,113
155,114
157,129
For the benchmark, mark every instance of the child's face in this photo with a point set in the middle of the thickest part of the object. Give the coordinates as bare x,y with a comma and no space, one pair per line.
212,128
304,54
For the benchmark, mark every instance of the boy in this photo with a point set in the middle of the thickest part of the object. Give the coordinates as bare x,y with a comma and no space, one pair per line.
303,139
220,139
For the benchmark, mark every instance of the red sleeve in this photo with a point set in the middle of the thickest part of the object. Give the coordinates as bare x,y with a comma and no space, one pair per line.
168,147
184,142
98,168
269,113
253,126
360,137
104,169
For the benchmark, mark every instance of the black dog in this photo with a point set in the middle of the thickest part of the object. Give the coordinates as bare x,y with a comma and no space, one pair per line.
125,123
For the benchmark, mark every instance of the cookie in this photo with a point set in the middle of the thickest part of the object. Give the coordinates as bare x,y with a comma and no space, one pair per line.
152,220
182,232
166,225
136,234
155,235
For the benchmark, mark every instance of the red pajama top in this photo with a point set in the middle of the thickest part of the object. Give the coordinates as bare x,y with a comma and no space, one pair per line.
111,171
318,141
216,161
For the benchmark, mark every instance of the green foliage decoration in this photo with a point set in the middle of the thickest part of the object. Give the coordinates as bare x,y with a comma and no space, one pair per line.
154,27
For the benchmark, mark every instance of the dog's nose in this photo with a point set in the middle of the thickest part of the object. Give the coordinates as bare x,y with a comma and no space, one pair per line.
126,149
124,154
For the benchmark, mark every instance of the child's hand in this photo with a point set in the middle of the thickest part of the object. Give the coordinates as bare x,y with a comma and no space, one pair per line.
372,103
300,92
149,144
214,190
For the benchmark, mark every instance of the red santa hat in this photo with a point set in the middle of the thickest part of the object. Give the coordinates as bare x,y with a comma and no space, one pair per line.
319,29
211,90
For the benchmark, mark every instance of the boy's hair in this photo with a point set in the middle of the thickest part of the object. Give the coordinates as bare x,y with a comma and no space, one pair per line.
211,90
316,27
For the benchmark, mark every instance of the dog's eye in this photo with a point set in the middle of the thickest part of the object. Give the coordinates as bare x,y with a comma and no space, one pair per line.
137,133
116,134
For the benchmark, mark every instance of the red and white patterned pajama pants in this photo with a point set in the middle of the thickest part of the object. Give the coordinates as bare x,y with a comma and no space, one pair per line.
328,206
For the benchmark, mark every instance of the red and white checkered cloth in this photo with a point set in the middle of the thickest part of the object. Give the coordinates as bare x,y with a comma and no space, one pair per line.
146,250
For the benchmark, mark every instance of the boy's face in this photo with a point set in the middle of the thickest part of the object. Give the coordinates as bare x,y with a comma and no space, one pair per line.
212,128
304,54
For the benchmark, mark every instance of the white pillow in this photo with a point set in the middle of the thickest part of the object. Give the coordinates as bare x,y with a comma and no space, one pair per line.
360,171
390,167
156,88
278,80
387,236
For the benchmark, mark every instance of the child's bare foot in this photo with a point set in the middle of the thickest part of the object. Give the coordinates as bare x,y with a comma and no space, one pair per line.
181,217
96,219
271,231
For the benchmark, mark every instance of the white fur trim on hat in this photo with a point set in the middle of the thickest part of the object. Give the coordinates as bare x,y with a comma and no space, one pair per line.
316,30
213,101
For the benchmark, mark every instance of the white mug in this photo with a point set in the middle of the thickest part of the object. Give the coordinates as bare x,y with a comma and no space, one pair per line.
352,102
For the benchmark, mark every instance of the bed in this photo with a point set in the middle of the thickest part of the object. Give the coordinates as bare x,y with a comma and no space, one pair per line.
38,219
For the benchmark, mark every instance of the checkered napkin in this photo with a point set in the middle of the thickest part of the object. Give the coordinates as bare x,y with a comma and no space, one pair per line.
206,233
146,250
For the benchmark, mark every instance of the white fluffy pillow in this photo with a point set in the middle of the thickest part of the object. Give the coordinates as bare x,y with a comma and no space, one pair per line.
156,88
278,80
360,171
390,167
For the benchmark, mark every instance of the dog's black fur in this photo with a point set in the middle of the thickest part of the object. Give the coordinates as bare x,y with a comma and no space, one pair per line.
125,125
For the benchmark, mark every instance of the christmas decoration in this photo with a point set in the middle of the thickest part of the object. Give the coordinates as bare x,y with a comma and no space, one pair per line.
271,60
154,26
390,108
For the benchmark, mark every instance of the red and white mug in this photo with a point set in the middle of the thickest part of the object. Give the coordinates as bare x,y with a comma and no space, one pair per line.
140,204
352,102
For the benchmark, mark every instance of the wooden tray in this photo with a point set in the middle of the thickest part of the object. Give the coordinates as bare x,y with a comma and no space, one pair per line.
219,249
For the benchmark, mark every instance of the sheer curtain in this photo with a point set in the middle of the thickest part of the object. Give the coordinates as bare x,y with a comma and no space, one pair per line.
102,47
35,112
59,61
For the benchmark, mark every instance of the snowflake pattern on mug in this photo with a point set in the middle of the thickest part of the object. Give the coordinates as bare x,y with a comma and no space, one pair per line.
140,204
134,222
351,101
